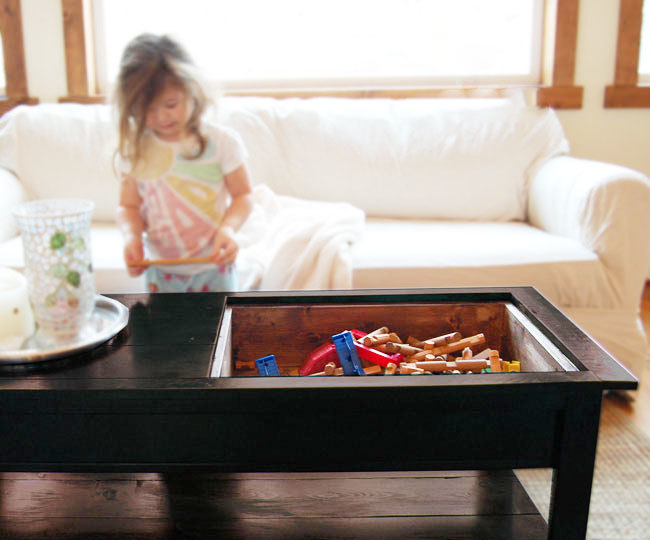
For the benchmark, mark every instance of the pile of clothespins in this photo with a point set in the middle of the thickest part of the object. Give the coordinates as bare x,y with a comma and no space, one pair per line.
382,352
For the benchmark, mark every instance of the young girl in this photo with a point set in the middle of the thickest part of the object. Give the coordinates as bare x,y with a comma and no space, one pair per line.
185,189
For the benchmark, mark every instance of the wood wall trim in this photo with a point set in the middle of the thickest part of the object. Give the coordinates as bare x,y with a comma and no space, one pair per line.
11,26
560,97
563,94
629,41
630,97
625,92
8,104
79,53
75,47
566,42
83,99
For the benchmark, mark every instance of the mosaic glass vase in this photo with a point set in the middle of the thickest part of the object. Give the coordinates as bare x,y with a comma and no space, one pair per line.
58,267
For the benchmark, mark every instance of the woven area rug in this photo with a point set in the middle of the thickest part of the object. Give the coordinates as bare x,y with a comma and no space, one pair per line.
620,496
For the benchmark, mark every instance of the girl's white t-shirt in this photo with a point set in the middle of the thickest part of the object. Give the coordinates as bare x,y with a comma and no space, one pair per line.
184,199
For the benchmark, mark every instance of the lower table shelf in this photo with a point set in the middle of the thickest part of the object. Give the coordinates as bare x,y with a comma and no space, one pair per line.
438,505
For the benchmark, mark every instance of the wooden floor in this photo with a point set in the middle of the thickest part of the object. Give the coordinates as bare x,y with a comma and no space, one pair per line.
638,411
440,505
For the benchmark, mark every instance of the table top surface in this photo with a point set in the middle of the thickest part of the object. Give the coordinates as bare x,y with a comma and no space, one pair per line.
170,341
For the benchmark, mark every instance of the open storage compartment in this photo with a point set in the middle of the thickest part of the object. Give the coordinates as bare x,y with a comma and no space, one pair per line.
291,331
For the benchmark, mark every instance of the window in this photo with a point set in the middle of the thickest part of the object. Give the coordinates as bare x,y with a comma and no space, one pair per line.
248,44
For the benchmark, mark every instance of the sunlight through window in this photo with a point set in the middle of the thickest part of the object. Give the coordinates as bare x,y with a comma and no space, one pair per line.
336,43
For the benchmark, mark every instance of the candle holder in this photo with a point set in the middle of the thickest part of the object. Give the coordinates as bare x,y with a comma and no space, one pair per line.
16,316
58,268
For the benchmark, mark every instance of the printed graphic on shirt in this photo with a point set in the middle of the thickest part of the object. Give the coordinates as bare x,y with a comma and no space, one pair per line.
202,197
183,199
156,160
199,170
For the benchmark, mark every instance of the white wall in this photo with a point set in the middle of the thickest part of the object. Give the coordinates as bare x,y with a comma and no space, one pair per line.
617,135
44,52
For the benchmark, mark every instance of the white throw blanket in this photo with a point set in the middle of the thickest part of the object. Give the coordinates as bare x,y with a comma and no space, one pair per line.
290,243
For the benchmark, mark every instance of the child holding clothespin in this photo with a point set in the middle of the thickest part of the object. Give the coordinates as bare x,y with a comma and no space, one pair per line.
185,188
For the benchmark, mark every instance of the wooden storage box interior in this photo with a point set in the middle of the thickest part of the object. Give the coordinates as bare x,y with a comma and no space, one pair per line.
291,332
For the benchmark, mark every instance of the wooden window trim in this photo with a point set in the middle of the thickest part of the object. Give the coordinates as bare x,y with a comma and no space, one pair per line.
76,64
79,53
562,93
626,92
11,27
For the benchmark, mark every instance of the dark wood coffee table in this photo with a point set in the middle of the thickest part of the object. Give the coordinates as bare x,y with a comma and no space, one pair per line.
148,401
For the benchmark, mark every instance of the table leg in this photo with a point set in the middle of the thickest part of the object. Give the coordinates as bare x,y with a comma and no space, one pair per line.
573,474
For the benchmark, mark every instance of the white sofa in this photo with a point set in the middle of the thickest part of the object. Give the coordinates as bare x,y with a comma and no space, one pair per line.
454,193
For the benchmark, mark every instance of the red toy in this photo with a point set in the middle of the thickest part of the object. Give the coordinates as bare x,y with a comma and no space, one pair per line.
318,358
373,355
326,353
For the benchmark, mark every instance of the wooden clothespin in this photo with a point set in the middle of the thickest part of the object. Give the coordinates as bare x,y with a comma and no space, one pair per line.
163,262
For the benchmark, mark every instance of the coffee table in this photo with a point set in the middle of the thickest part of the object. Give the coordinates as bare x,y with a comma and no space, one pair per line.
163,394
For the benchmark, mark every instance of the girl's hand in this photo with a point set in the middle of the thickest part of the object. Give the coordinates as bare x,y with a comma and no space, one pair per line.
225,246
133,251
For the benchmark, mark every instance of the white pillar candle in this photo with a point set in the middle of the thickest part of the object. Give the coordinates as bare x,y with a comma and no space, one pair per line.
16,317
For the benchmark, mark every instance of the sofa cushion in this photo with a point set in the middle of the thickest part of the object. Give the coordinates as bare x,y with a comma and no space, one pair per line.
418,158
62,150
415,253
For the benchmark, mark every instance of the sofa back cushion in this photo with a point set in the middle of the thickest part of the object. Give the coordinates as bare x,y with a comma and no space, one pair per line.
63,150
419,158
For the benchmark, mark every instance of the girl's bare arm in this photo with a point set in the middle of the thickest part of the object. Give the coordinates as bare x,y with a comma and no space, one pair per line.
241,205
131,224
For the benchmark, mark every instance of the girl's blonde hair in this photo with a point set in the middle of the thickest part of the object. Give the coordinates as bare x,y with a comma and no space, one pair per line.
149,64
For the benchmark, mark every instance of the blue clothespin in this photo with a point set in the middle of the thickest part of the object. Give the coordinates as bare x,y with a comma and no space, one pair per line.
267,366
347,352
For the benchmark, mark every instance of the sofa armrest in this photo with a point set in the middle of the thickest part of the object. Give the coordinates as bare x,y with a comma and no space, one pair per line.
11,194
606,208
